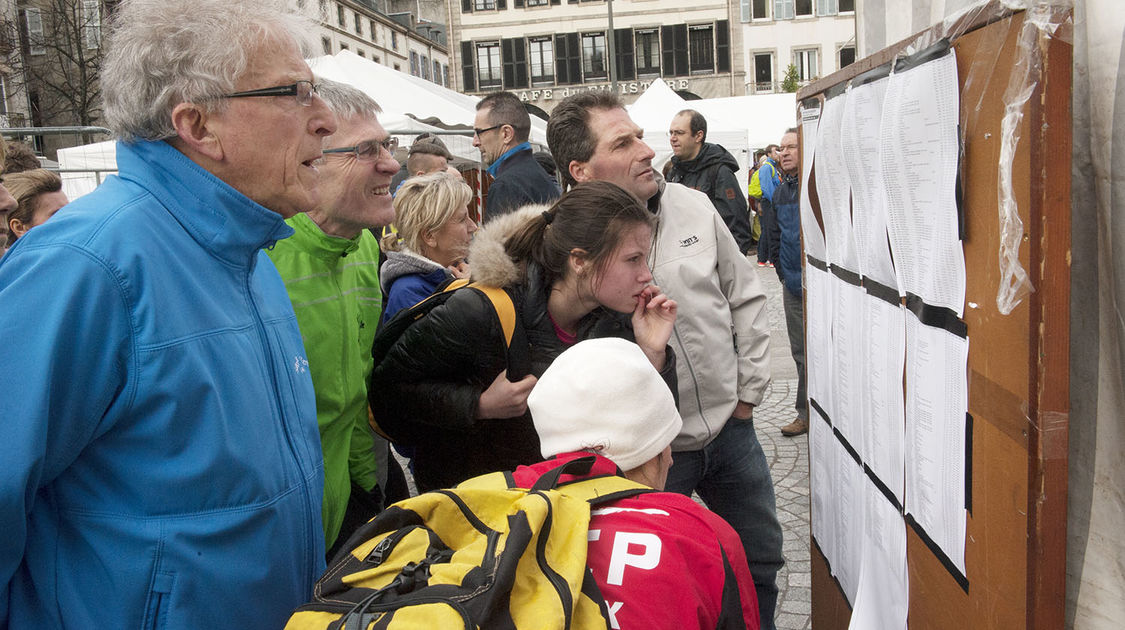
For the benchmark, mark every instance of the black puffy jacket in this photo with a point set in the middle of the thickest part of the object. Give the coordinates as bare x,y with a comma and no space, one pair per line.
436,371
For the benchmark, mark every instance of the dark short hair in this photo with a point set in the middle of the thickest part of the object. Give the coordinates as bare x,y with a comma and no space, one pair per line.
698,122
505,108
568,131
771,147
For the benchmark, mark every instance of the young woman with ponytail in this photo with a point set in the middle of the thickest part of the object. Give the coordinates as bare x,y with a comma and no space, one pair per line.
575,270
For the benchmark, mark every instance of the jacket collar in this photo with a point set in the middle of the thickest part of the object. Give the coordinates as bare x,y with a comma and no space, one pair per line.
314,241
495,167
228,224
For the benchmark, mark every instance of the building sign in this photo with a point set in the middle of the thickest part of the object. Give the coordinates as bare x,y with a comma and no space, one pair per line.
629,87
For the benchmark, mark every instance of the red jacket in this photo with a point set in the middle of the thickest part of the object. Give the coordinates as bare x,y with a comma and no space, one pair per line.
662,560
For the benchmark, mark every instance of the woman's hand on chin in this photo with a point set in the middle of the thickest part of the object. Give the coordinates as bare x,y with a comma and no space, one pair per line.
653,318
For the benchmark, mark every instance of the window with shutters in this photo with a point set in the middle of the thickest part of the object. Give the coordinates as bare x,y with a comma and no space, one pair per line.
484,5
541,51
623,61
340,16
326,44
489,70
701,40
568,59
538,3
754,10
648,51
847,6
468,67
514,57
425,64
371,29
593,56
803,8
783,9
674,48
827,7
437,73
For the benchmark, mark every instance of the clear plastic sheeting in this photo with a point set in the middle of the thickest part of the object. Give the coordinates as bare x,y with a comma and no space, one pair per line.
1044,19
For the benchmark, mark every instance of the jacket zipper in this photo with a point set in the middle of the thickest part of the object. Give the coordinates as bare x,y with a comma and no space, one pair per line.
263,337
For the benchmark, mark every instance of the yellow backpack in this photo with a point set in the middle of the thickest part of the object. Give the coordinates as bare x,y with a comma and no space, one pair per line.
481,555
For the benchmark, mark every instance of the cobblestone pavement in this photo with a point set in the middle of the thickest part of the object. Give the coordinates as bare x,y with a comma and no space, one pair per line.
789,463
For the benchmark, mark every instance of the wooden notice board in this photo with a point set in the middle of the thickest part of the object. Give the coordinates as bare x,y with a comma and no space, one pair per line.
1018,370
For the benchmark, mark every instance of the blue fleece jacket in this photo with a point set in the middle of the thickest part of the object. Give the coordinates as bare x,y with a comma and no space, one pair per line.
159,439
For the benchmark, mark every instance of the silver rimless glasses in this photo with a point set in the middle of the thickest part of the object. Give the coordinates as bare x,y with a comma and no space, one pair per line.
368,149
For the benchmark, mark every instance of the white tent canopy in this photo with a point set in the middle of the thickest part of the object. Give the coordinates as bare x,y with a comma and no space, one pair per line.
406,101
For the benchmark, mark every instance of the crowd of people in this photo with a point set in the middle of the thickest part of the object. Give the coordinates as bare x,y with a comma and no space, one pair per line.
189,423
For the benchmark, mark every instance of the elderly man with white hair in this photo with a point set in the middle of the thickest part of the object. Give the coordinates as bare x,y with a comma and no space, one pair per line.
161,460
660,559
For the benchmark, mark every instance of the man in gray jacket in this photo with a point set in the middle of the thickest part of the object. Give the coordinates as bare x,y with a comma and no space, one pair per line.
721,336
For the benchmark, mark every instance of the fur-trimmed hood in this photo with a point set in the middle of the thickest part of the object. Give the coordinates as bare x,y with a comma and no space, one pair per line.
488,261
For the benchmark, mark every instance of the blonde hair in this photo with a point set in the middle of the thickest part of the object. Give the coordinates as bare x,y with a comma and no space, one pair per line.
424,204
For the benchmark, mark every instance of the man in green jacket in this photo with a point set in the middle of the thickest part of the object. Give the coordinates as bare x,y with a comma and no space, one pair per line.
330,267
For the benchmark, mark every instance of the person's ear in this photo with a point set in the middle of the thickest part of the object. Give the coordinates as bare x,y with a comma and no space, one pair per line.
508,135
429,238
580,171
194,127
578,261
15,226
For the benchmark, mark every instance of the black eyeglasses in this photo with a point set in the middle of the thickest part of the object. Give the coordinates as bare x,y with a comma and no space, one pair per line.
481,132
368,149
302,90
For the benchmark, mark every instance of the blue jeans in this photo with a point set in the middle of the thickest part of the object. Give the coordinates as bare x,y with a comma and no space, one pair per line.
732,477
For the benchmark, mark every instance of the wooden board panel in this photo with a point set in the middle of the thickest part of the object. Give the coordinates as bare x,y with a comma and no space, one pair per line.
1015,540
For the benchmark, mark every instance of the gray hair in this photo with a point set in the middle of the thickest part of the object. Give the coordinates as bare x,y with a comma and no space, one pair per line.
161,54
347,101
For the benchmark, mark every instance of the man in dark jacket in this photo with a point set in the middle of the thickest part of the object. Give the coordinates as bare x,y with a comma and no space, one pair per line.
500,131
709,168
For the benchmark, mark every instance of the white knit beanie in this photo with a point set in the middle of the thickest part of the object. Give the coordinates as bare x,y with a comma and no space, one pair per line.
604,395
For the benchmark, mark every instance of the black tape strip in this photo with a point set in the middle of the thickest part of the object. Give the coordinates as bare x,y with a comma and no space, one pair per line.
847,446
961,580
816,262
846,275
969,463
811,103
881,291
836,90
936,316
937,51
873,75
882,488
820,411
959,188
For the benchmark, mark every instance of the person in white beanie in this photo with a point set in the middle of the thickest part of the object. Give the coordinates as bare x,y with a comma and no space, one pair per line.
660,559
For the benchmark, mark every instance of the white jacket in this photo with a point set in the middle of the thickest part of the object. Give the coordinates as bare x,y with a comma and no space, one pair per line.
721,337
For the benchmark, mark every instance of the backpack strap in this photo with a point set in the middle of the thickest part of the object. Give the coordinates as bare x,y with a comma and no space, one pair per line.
505,309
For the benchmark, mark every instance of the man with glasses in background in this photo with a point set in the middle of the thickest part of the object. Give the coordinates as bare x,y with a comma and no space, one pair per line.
500,130
787,212
162,465
331,270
